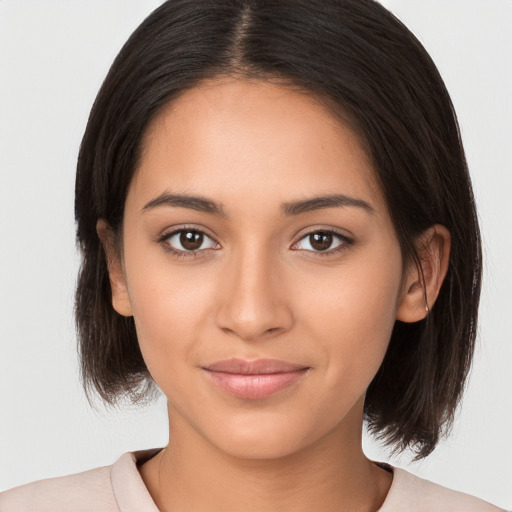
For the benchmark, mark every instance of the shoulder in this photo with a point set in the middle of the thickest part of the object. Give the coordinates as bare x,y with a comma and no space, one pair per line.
89,491
115,488
412,493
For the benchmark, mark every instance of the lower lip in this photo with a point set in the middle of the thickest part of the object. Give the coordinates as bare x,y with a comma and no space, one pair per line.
254,387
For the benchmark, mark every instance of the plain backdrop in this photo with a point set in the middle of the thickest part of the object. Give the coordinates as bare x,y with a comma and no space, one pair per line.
53,58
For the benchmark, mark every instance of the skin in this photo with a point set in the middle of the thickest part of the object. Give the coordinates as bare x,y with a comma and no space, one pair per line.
258,287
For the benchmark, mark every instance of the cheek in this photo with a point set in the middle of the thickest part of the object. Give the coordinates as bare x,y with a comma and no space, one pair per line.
169,306
352,322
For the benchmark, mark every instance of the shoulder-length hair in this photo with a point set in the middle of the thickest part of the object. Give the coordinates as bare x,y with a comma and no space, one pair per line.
368,68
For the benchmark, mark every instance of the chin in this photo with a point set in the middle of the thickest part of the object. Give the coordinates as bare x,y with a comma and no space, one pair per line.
262,439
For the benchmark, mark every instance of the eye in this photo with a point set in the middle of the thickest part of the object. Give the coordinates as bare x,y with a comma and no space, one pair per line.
324,241
182,241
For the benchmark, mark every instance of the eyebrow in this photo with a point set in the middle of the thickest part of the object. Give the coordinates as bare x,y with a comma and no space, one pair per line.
202,204
321,202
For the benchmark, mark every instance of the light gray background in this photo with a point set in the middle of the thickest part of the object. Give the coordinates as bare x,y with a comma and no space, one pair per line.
53,58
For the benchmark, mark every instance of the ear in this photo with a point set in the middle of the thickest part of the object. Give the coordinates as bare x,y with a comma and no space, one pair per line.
421,285
120,297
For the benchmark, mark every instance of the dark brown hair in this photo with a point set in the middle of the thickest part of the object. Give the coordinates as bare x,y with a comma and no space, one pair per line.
367,66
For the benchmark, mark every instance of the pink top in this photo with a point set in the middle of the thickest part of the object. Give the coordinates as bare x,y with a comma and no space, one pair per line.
120,488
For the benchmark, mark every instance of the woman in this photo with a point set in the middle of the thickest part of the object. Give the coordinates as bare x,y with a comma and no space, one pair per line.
277,228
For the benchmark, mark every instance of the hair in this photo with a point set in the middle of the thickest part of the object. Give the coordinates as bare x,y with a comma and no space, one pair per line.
365,65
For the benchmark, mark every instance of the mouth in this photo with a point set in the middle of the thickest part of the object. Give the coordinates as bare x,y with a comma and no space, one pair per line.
254,380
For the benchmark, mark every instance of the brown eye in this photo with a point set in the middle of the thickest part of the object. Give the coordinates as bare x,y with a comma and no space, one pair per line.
189,240
320,241
327,242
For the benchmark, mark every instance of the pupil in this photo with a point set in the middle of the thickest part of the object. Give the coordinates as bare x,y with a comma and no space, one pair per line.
191,240
321,241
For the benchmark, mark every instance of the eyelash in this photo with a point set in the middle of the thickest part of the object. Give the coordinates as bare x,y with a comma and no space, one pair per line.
346,242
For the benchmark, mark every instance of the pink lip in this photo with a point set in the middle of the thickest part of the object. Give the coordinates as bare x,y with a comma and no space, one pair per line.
254,379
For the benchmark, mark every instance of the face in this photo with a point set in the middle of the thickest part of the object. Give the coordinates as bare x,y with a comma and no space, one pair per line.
254,230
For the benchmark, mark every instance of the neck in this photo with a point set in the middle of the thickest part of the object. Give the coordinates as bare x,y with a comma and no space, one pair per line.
330,475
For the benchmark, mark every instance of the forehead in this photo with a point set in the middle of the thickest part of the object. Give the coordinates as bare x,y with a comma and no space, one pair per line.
253,136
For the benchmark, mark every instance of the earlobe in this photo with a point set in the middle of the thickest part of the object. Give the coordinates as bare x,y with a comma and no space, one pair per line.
120,297
422,283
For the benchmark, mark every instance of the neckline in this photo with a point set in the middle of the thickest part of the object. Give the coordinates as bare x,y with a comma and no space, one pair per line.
132,494
144,455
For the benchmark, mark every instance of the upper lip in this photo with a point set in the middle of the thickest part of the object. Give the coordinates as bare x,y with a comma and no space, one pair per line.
255,367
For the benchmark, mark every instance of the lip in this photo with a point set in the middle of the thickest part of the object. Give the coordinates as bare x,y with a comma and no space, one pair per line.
254,379
255,367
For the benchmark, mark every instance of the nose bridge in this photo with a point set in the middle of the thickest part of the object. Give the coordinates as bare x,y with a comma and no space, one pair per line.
253,303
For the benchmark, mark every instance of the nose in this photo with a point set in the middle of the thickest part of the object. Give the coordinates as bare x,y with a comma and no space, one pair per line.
253,302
